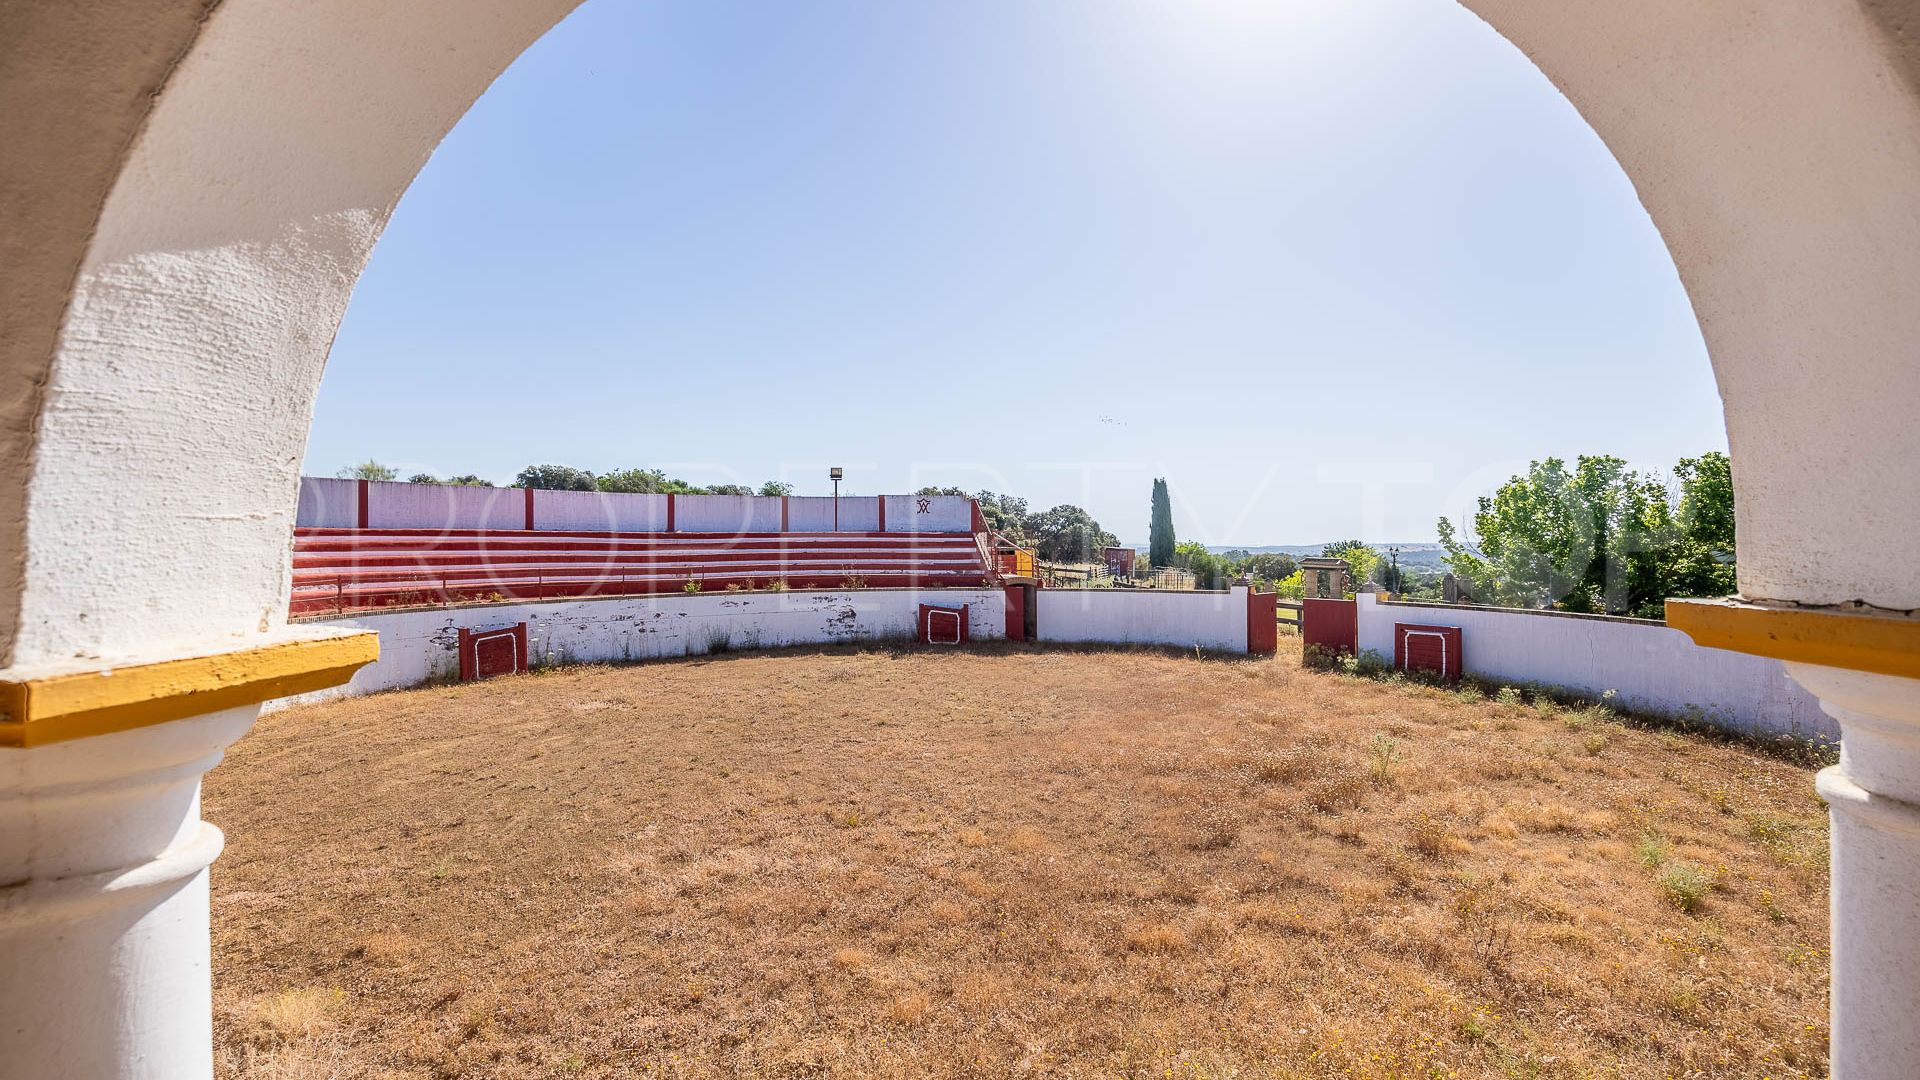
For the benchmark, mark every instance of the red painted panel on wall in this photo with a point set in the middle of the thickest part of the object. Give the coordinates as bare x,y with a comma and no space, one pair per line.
1420,647
486,653
943,625
496,654
1330,625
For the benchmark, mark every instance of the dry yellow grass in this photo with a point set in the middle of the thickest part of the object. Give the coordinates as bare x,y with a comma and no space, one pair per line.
1006,862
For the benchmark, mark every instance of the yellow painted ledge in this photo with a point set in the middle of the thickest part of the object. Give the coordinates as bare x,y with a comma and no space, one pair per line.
1855,641
36,710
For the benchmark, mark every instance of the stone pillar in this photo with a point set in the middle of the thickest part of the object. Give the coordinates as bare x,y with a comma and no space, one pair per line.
1873,799
104,929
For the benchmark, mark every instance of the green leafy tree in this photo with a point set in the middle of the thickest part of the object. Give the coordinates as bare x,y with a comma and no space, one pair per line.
1160,538
1536,541
1209,571
1706,499
1269,567
776,488
1005,514
555,478
1423,584
1599,537
369,470
644,482
469,480
1388,576
1361,558
729,489
1703,564
1068,534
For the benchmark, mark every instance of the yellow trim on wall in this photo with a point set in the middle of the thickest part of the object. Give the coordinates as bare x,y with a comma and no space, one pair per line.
1855,641
35,711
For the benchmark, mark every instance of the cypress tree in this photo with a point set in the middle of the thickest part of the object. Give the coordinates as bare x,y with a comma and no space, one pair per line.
1160,529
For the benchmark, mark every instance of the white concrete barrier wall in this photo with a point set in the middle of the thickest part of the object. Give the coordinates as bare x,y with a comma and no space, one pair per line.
929,513
1651,667
420,646
599,511
725,514
806,513
328,504
1216,621
394,505
814,513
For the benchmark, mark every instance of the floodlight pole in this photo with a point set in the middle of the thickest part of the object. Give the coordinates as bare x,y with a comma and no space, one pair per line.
834,473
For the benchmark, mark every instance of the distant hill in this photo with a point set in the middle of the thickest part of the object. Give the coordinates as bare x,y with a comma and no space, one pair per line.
1425,556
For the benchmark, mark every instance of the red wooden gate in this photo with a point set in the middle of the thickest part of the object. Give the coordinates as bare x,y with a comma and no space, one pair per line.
1330,625
1263,627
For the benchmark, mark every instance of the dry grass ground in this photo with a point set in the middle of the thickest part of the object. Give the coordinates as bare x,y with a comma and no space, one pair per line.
1004,863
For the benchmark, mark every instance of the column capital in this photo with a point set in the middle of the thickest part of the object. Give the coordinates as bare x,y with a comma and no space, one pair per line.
53,704
1855,638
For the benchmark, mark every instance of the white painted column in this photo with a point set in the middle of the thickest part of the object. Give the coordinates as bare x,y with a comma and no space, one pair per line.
104,943
1873,796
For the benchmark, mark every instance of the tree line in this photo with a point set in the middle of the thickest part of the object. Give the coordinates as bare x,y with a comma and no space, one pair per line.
1600,537
1596,537
1065,533
568,478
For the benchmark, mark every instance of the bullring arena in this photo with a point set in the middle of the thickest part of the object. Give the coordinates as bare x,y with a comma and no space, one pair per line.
912,861
905,846
1134,840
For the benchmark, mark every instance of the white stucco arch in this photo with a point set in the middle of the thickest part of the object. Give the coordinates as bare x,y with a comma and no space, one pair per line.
190,189
253,154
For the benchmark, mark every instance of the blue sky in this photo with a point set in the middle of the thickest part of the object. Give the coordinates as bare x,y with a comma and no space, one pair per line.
1332,268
